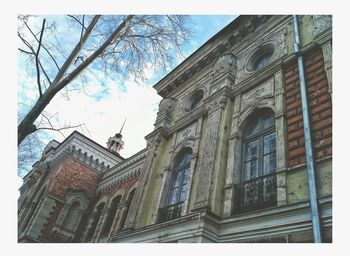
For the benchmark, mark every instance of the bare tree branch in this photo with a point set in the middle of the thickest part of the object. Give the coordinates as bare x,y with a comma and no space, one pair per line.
25,51
128,45
37,59
48,52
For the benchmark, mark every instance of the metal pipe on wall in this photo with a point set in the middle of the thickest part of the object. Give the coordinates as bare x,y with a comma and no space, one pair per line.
315,217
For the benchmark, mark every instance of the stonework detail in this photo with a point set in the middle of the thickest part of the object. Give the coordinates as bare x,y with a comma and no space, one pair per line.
278,40
224,162
261,92
322,22
225,64
186,133
184,100
165,113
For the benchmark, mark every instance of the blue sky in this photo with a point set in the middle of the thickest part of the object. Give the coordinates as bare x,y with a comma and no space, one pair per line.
107,101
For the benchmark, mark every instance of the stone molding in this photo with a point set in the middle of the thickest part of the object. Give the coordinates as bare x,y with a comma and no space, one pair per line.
209,52
277,39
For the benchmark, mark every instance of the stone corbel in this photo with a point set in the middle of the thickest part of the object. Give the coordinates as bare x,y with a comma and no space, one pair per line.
217,104
165,113
223,73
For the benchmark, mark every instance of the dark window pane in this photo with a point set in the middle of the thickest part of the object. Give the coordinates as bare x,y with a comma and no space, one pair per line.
269,143
183,193
262,60
269,163
183,160
174,196
252,150
186,176
177,180
267,121
196,101
252,128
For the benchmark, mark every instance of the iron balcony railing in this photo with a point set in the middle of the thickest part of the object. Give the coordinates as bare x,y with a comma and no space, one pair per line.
170,212
255,194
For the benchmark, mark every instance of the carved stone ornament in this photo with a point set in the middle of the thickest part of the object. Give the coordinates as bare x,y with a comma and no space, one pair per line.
166,106
262,91
185,133
322,22
154,141
166,110
225,64
216,104
277,40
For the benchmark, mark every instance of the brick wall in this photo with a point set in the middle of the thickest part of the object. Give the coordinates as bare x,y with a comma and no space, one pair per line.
320,108
77,176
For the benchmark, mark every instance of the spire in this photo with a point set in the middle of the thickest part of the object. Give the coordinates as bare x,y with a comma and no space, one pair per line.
122,126
115,143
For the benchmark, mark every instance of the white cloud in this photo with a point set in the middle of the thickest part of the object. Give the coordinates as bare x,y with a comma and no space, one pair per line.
104,118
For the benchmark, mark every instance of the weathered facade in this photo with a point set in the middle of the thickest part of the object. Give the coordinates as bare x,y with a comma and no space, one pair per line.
226,161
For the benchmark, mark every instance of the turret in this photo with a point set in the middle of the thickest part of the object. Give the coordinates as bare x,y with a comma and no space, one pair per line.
115,143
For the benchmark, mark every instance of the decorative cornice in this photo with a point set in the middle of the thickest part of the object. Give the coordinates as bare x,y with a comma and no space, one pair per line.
207,53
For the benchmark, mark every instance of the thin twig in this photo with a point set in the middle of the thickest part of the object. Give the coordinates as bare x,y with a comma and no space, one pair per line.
21,50
48,52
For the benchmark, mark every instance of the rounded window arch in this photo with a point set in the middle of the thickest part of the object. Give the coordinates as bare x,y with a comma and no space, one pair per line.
179,186
73,217
257,187
260,57
194,101
259,145
180,177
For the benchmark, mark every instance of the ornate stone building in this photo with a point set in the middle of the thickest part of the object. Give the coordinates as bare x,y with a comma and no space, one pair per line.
226,161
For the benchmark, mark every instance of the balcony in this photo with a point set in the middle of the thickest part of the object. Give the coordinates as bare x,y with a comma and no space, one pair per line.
170,212
255,194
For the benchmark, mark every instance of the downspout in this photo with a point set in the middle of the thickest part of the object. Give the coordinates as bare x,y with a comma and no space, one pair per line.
316,227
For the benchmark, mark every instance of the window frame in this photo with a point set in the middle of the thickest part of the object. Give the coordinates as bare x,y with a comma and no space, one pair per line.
176,170
258,136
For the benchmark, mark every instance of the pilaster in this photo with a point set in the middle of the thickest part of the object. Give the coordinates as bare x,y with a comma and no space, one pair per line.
210,152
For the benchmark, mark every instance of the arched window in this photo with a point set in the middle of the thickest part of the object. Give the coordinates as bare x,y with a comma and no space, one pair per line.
128,202
258,181
95,221
194,101
111,215
73,216
179,187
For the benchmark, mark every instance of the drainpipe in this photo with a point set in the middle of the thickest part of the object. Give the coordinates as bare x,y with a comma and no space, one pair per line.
308,141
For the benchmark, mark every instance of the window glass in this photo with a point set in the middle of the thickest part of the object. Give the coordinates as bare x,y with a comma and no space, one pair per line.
262,60
252,128
196,102
269,143
267,121
259,147
174,195
178,190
